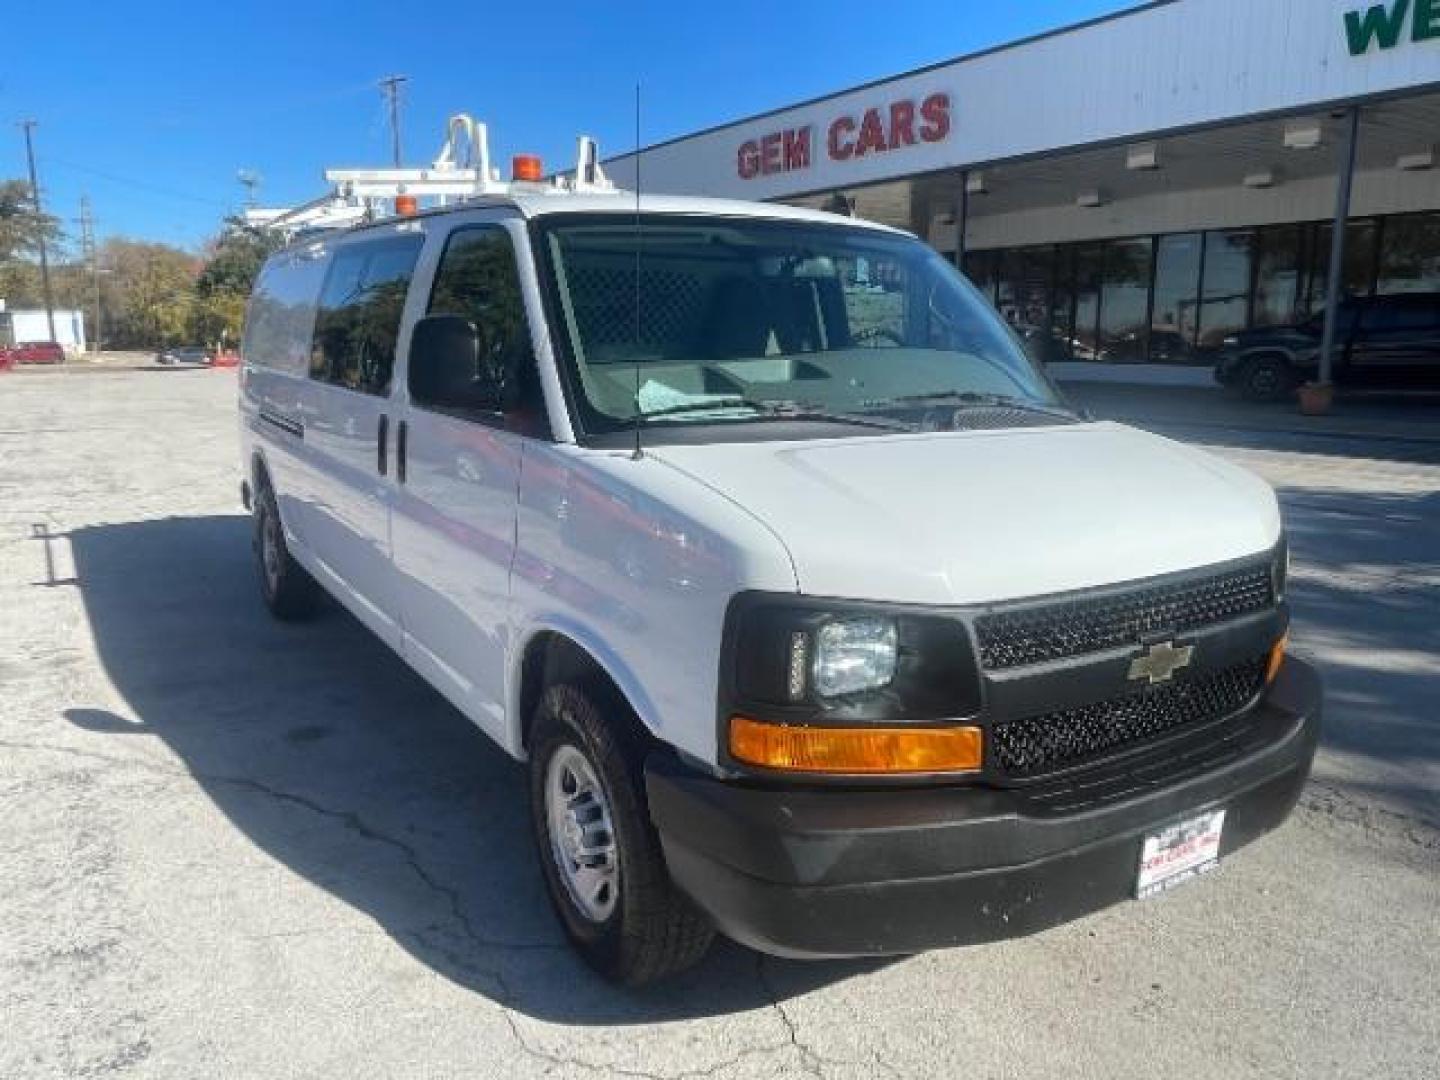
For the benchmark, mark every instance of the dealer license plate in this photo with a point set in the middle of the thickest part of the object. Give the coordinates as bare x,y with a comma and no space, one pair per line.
1179,853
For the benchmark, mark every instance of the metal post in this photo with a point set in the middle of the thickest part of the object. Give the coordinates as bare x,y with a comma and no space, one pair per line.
1337,245
28,126
962,220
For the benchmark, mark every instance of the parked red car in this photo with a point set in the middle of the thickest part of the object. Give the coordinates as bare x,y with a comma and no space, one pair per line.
36,352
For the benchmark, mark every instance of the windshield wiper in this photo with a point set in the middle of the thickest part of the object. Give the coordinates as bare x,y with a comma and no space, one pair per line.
776,410
710,405
969,399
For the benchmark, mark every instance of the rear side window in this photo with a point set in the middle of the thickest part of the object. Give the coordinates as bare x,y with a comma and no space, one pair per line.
359,315
281,319
1406,316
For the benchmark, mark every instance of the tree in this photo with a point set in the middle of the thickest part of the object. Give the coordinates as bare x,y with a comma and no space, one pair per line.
148,293
232,264
235,258
21,228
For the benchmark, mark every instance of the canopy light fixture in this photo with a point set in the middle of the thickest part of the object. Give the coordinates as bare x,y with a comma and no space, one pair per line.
1303,134
1094,197
1143,157
1263,179
976,183
1417,162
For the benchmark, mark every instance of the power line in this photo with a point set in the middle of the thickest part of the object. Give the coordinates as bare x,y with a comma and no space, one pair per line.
390,87
28,126
129,181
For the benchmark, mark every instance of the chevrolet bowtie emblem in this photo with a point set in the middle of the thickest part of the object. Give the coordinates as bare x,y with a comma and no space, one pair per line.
1160,662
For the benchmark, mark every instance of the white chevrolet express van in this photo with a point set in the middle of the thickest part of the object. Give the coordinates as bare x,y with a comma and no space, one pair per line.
818,616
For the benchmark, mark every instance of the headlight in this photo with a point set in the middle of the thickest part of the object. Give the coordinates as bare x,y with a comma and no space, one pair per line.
854,655
814,661
1230,342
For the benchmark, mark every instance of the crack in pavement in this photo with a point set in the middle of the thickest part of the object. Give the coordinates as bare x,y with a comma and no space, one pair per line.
811,1059
504,996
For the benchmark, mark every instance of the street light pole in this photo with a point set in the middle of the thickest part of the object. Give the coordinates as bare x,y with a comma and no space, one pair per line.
28,126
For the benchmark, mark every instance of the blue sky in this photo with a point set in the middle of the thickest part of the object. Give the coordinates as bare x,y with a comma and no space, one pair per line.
150,108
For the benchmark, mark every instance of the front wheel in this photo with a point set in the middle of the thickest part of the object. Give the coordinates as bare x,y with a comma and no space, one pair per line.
600,855
1268,378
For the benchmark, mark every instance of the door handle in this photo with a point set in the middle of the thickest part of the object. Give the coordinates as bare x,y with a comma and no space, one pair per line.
402,439
381,449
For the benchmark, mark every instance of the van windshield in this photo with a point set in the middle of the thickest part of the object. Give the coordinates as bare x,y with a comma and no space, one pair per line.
693,319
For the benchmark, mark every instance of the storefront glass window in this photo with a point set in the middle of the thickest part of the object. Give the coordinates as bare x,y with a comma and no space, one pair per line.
1177,291
1277,274
1089,279
1124,301
1062,305
1359,266
1410,254
1225,291
980,268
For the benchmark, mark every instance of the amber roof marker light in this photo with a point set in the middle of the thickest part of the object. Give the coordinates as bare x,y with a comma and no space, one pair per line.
858,751
527,168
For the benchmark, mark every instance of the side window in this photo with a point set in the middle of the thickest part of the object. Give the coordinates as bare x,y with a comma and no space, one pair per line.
359,316
281,318
1383,317
477,279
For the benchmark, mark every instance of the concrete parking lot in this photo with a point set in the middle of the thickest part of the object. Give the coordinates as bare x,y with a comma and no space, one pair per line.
234,848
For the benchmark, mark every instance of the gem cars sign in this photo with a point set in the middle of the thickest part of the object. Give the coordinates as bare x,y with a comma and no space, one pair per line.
850,136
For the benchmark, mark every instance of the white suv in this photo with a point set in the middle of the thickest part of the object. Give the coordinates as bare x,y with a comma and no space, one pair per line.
818,615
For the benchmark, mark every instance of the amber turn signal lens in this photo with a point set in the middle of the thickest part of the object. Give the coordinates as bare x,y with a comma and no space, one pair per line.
867,751
1277,659
406,206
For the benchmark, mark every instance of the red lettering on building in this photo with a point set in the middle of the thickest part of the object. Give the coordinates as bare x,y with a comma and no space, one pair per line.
935,111
841,148
770,153
777,152
902,124
797,149
748,164
875,131
872,134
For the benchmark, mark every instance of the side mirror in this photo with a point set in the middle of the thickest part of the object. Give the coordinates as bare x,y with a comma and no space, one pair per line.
451,368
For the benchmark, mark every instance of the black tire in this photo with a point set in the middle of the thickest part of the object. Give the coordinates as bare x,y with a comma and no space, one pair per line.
653,930
289,591
1268,378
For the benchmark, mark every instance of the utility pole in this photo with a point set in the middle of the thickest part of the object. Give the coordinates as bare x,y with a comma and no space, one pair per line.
91,253
28,126
390,87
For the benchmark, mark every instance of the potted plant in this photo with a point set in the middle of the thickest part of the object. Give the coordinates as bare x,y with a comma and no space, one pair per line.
1316,398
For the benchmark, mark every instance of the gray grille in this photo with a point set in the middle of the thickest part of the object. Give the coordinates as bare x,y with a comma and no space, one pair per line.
1087,624
1041,744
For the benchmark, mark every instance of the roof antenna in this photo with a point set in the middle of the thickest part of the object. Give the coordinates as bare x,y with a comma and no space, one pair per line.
639,237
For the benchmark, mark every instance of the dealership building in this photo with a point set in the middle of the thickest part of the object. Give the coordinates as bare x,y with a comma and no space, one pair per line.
1135,188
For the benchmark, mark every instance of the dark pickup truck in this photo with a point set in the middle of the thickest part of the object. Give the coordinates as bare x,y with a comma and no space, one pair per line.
1384,342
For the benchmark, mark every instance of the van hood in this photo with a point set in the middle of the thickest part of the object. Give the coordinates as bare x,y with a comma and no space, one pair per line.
984,516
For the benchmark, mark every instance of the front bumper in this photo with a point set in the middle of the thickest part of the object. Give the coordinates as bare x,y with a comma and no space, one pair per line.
829,872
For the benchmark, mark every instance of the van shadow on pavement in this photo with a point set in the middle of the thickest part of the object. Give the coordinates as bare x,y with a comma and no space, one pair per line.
331,755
